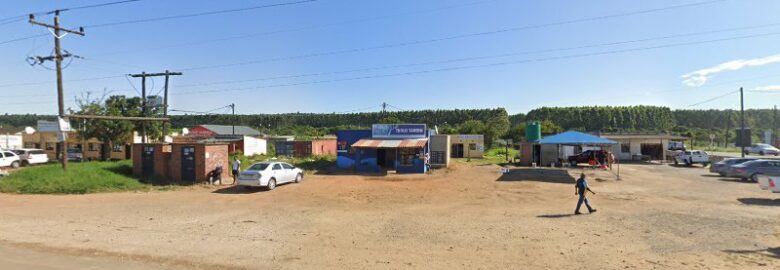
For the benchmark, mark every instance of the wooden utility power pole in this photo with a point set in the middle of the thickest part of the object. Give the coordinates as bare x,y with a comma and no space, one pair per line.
58,62
233,109
143,76
742,120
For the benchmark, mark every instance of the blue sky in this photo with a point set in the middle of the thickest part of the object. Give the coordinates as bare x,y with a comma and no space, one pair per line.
299,43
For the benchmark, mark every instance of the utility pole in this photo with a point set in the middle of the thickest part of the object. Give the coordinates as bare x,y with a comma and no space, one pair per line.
58,62
233,109
742,120
143,76
774,126
384,108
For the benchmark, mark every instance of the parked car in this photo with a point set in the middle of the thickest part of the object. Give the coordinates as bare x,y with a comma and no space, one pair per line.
722,166
9,159
269,175
675,146
584,157
763,181
31,156
692,157
752,169
774,184
75,155
762,149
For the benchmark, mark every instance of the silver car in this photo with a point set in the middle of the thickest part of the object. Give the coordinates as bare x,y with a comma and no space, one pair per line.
752,169
762,149
721,167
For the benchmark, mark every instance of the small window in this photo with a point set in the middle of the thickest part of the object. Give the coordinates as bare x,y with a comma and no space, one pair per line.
473,146
91,147
287,166
116,148
625,148
277,167
407,156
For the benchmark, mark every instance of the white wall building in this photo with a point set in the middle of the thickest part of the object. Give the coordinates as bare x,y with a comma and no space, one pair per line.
641,147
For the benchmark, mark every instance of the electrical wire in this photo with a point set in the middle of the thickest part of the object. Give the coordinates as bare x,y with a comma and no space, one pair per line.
22,38
94,6
485,57
308,27
359,110
197,14
713,99
495,64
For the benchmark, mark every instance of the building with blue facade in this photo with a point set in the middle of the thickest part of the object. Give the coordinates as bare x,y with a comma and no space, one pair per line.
386,147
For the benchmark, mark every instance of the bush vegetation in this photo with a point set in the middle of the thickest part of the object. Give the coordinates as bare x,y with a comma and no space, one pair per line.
80,178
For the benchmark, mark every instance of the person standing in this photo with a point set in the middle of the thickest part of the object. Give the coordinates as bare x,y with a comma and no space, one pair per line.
236,169
579,189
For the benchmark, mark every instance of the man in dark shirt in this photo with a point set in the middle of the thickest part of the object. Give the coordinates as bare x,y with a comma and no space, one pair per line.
579,189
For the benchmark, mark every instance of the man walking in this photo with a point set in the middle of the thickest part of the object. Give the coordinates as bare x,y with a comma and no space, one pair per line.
236,170
579,189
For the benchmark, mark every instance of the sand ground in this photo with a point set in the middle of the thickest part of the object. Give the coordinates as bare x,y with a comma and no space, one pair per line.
468,217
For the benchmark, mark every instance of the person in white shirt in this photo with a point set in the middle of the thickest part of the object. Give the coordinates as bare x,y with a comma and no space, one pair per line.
236,170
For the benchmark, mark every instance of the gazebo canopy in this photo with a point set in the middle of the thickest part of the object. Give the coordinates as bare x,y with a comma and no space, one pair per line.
575,138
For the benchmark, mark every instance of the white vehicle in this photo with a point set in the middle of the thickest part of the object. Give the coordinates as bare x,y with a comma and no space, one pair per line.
9,159
762,149
31,156
763,181
692,157
674,146
269,175
774,184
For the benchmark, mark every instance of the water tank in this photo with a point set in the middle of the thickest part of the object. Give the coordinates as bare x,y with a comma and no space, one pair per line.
533,131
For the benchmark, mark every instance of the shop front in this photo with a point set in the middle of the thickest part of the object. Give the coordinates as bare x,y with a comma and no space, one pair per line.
388,147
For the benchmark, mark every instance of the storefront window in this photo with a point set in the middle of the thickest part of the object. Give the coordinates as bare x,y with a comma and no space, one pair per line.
407,156
473,146
625,148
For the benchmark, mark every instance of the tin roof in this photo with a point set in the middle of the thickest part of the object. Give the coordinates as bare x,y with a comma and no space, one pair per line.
408,143
228,130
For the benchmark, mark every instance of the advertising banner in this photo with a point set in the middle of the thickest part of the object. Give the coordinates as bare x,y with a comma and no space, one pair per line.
398,131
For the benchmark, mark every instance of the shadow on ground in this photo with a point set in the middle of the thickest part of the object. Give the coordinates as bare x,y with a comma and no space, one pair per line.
760,201
555,216
238,190
736,180
768,252
538,175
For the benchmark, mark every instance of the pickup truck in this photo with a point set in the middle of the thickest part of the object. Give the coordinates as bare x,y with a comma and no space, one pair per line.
692,157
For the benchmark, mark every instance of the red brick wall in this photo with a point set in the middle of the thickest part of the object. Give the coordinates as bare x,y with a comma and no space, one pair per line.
217,154
161,159
323,147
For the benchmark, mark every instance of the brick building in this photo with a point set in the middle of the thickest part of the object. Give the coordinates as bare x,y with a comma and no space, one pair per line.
306,148
177,163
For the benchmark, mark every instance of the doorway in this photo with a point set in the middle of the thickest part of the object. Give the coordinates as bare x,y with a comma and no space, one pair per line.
188,164
385,158
457,150
147,167
652,150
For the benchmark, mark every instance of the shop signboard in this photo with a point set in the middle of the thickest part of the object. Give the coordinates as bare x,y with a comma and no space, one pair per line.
398,131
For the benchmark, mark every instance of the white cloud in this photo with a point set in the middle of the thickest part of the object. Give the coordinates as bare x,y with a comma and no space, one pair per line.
767,88
700,77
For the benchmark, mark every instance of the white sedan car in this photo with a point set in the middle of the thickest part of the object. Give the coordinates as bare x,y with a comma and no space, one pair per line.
269,175
762,149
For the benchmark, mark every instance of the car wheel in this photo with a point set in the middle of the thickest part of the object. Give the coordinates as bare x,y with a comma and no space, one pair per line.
25,163
271,184
762,153
705,164
298,178
15,164
675,162
722,174
754,177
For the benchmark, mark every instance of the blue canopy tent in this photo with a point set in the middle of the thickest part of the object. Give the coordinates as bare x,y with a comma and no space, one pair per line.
572,138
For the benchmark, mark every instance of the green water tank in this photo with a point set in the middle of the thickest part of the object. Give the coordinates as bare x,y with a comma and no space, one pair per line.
533,131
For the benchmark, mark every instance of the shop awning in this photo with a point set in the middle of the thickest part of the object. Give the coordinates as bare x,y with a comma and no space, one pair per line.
575,138
408,143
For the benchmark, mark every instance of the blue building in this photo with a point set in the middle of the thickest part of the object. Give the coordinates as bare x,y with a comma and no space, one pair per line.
386,147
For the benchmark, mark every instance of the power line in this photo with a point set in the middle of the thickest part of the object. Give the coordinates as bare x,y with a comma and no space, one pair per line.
713,99
426,41
308,27
197,14
491,64
486,56
23,38
20,18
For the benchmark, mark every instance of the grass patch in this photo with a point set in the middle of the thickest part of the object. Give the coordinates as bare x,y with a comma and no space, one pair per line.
495,155
81,178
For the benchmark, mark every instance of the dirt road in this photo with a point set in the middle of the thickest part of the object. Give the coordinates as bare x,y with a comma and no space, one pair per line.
470,217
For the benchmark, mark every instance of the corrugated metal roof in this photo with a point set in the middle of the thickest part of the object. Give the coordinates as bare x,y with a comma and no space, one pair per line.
409,143
228,130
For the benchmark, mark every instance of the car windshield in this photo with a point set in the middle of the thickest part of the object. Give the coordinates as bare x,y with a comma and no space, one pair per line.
18,152
258,167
